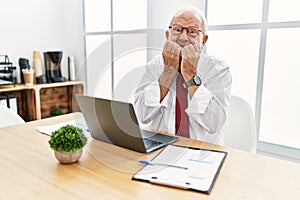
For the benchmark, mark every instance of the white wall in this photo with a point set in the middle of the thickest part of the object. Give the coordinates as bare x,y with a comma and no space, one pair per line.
42,25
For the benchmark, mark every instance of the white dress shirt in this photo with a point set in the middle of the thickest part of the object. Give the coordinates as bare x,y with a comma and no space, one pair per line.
206,109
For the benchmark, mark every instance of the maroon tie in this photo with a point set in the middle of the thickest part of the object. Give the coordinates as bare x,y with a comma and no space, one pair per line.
182,119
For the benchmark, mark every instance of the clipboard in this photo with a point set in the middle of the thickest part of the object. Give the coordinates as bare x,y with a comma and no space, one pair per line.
184,167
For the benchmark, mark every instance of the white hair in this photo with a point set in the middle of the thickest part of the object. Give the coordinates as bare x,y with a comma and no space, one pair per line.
196,12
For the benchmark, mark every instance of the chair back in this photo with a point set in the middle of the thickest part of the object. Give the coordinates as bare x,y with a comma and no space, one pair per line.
239,130
8,117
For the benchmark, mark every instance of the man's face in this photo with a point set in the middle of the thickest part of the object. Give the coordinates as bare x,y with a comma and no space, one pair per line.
187,19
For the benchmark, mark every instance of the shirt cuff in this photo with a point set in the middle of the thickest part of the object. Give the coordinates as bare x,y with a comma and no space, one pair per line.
199,101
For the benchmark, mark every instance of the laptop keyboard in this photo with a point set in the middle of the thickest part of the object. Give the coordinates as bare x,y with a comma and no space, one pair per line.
149,143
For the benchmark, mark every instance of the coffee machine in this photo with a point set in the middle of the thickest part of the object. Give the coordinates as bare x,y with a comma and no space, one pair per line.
52,64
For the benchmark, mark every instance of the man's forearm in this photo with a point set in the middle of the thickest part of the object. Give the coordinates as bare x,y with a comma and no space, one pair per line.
165,81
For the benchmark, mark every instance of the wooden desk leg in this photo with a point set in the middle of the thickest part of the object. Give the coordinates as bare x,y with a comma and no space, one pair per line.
28,104
70,98
72,91
38,103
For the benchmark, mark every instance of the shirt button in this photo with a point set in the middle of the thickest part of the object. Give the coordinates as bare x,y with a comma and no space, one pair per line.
162,108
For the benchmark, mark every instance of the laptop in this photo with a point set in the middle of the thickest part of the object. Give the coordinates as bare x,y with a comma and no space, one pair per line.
115,122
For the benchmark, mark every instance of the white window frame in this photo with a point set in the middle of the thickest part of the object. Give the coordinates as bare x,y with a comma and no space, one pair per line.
112,33
275,150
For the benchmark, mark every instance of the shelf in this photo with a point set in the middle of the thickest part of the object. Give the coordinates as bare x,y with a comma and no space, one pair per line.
36,101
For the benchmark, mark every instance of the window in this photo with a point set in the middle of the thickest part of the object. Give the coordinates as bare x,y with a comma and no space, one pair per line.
282,12
114,35
258,40
228,44
280,99
233,12
126,18
236,40
97,15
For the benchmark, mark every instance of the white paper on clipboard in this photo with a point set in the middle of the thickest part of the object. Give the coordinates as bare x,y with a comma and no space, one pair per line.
202,168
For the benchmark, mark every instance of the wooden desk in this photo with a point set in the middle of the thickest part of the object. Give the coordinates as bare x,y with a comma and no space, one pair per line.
29,170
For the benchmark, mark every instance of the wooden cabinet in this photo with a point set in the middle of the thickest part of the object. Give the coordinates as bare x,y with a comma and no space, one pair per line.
36,101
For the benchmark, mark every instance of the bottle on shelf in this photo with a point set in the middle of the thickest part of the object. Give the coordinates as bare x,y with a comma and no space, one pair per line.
38,67
71,67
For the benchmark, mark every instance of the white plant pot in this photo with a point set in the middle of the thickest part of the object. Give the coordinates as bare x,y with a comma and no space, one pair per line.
68,157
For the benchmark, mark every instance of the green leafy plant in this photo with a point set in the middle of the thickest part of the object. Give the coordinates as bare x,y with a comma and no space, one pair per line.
56,112
67,138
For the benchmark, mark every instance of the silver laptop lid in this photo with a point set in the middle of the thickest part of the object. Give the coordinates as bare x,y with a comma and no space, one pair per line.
112,122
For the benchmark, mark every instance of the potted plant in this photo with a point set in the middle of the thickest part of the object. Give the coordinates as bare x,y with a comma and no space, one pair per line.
67,143
55,112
